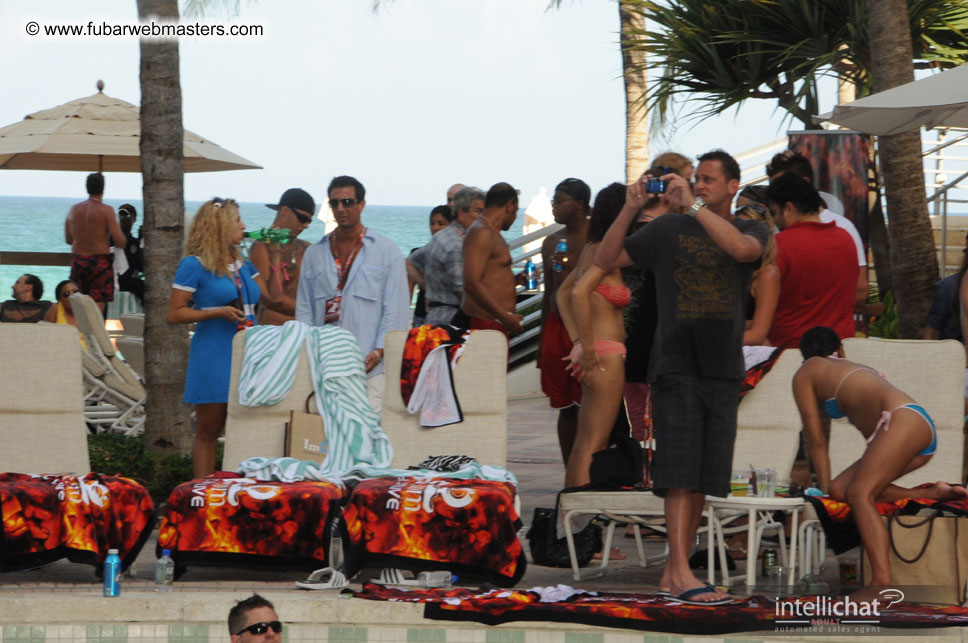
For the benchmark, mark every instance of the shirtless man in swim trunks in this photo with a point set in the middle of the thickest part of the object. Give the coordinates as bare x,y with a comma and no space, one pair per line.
489,283
280,263
900,434
89,229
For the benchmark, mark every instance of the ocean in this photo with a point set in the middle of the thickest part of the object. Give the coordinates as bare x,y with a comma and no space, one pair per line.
36,224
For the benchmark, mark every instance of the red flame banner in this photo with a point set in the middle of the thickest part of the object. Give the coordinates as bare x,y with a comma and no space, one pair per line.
46,518
466,526
240,521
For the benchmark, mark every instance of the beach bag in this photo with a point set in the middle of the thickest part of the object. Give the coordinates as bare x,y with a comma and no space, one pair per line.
620,465
548,550
306,435
929,557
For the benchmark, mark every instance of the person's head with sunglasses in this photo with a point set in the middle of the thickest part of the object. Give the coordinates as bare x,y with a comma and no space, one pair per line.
296,209
254,619
347,198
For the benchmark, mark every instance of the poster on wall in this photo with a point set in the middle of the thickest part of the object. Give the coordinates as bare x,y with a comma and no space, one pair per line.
842,166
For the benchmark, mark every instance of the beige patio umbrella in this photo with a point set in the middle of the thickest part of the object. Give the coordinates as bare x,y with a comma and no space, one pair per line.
97,133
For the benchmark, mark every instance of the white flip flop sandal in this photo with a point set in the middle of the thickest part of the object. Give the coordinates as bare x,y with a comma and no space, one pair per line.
394,576
325,578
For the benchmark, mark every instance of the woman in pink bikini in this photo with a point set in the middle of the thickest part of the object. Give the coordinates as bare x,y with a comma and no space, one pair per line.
900,434
591,304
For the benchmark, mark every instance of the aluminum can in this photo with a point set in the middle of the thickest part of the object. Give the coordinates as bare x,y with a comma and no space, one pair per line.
112,574
769,561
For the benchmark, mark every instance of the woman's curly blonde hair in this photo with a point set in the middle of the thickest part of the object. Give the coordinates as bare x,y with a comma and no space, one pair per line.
210,235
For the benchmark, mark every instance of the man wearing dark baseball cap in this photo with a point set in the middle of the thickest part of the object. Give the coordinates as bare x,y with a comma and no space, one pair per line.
280,263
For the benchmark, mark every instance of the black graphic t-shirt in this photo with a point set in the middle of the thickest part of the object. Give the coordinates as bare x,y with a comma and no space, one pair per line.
700,293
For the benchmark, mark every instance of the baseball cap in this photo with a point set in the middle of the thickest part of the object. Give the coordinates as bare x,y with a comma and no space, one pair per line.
295,199
576,189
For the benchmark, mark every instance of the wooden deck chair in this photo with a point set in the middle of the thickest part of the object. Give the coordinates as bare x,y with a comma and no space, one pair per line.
932,372
113,384
41,400
480,382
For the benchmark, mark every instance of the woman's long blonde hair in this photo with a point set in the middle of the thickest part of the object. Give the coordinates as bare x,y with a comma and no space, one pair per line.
769,252
210,235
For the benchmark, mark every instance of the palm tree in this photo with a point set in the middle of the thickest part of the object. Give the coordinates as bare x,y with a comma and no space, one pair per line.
167,427
914,264
632,21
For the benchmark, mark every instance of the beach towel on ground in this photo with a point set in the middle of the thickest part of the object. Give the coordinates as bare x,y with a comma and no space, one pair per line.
46,518
243,522
339,381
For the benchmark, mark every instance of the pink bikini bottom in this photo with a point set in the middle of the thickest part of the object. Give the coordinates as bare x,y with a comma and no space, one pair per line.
609,347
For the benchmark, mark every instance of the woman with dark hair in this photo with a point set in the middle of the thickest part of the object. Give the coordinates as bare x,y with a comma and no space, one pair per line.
591,303
61,312
215,289
900,434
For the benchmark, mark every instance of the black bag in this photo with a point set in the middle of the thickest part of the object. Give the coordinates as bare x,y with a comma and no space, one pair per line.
548,550
620,465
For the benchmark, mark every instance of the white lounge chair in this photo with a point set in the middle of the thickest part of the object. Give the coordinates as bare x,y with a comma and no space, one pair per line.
41,400
115,396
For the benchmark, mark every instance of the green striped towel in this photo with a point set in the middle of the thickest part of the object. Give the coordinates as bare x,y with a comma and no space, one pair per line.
336,366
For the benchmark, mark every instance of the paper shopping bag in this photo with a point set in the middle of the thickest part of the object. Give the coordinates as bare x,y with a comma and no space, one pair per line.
306,437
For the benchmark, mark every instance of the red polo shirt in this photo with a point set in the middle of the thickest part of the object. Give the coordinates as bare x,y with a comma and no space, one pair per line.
818,282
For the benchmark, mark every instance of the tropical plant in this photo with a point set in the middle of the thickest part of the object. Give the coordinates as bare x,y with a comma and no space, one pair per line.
718,54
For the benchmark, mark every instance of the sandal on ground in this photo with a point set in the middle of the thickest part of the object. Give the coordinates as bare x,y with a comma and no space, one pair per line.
325,578
394,576
616,554
687,596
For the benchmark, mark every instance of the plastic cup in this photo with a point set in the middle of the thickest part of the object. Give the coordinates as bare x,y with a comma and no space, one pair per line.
739,484
765,482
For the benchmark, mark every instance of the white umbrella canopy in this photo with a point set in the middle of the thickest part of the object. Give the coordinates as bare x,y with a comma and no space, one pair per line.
938,100
97,134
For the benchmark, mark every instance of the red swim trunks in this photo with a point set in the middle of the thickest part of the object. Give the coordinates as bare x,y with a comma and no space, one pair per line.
476,323
94,275
562,389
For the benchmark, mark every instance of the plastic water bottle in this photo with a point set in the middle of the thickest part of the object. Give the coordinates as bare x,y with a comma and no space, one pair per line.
269,235
112,574
561,259
436,579
530,278
164,572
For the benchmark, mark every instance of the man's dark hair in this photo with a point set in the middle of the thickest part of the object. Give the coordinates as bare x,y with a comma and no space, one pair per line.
38,285
792,188
730,166
95,184
608,203
444,211
819,341
237,613
499,195
347,182
792,162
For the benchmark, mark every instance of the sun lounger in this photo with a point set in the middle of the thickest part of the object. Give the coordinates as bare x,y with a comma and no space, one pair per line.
116,396
41,400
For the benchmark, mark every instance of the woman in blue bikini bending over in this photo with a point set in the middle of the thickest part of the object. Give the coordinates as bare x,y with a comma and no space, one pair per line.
900,436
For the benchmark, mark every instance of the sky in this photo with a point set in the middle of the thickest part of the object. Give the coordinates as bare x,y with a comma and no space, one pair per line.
409,99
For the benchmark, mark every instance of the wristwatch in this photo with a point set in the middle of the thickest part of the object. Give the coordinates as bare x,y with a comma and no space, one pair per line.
698,203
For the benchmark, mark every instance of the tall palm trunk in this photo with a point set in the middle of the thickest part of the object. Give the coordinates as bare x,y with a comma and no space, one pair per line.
914,265
168,426
632,21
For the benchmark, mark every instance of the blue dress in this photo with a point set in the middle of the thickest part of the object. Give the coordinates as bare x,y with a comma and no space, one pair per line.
210,357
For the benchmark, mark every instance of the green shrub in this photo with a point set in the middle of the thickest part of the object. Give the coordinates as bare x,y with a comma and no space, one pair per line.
886,326
118,454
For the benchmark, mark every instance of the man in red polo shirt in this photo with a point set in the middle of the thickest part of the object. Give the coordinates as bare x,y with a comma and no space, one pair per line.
817,263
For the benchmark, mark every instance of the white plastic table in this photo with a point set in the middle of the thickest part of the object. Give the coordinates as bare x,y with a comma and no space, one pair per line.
751,505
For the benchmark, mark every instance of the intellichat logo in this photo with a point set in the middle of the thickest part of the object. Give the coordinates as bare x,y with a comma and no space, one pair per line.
828,613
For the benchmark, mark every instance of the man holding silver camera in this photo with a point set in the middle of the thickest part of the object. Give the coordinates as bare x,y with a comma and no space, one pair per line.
703,262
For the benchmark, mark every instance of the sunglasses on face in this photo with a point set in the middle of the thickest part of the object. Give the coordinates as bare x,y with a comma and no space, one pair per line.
303,219
68,293
261,628
347,202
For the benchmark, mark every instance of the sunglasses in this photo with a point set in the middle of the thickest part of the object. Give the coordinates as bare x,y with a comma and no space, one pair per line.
758,209
303,218
347,202
68,293
218,202
261,628
559,199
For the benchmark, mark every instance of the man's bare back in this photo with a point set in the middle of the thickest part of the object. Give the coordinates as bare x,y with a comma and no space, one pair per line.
89,226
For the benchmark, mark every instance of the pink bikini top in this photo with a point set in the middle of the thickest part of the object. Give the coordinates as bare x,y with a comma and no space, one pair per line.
619,296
